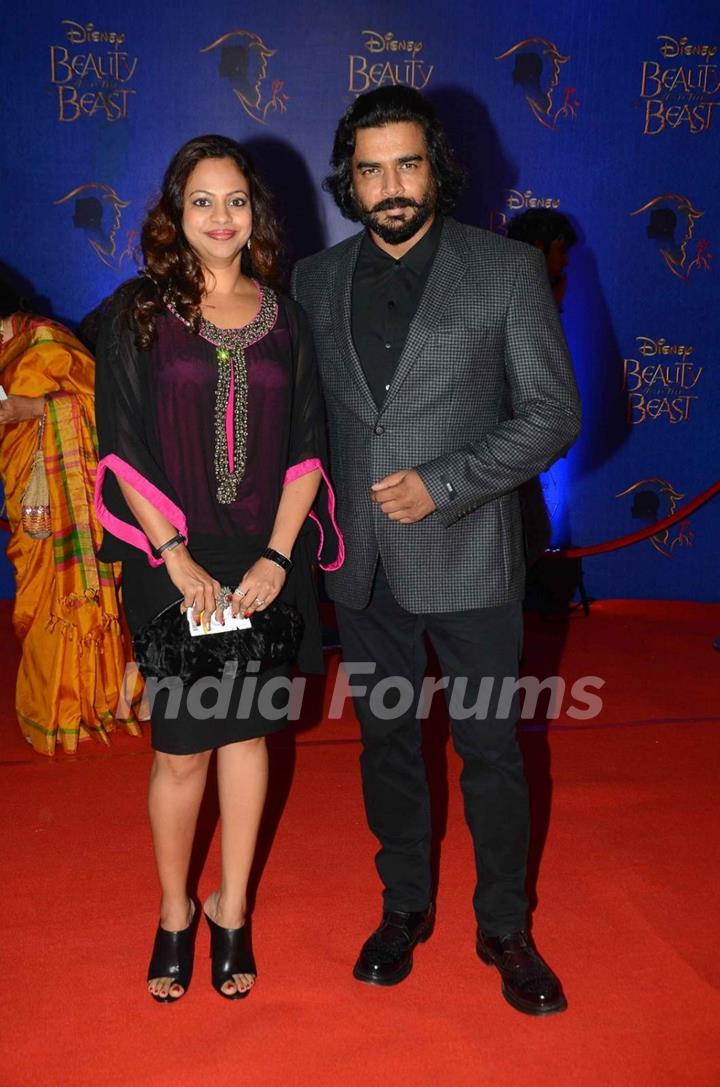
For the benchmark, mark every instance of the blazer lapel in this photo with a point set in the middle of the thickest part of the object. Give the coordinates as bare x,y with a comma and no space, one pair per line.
342,324
447,270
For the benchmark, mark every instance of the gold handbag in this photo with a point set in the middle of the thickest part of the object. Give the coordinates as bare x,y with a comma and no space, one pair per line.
35,501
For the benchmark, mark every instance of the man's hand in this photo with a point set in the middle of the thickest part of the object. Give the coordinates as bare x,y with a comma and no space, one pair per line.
403,497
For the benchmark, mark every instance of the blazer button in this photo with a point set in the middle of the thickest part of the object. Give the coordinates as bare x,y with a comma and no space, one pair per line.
379,429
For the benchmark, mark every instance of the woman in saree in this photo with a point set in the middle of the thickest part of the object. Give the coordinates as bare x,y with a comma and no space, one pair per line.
211,431
70,683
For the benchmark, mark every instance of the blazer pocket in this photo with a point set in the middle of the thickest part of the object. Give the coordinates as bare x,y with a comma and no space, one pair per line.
462,348
461,338
455,328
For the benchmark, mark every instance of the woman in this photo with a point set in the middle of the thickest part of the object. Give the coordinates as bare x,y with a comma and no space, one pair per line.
211,435
66,614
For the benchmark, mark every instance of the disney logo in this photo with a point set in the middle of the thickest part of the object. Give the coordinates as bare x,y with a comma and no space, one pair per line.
79,34
651,347
388,43
681,47
515,200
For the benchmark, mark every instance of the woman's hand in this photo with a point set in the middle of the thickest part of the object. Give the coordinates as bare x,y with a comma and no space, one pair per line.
259,587
200,591
18,409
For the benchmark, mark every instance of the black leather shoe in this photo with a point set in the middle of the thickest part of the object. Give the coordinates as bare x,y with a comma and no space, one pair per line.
230,953
387,957
528,983
172,957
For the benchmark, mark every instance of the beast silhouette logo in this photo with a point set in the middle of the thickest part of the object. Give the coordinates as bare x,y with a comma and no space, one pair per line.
98,213
537,72
671,226
244,62
653,500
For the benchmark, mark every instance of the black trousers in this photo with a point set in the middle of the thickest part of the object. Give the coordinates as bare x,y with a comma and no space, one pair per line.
481,643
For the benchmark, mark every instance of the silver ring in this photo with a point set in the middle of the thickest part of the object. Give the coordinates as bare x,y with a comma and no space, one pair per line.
239,594
258,601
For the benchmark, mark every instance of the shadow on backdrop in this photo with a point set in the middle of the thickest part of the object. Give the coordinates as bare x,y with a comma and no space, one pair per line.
598,363
297,197
29,300
478,148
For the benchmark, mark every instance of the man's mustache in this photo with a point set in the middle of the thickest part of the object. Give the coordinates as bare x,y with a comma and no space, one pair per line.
394,202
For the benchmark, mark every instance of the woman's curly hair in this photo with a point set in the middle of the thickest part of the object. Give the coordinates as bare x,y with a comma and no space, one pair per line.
172,270
386,106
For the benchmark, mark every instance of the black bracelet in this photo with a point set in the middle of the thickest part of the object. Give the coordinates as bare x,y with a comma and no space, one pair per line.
169,545
279,560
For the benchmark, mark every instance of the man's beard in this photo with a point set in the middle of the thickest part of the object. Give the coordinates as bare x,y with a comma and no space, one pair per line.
397,232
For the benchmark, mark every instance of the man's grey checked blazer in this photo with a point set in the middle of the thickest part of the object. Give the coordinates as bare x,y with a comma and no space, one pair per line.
483,398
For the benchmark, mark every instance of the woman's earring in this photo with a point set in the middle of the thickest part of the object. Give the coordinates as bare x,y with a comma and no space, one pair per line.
249,247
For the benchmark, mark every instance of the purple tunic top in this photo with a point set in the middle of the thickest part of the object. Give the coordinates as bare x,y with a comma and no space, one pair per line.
183,375
209,436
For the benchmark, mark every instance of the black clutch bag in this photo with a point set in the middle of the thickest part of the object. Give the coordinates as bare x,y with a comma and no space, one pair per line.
164,647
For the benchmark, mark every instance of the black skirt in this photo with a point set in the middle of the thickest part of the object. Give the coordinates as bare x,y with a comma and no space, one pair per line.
212,712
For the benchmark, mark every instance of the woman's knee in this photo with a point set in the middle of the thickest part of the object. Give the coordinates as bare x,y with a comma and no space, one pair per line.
180,768
255,743
251,749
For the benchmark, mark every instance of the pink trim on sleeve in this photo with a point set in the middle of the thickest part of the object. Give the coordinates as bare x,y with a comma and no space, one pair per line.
296,470
127,532
314,464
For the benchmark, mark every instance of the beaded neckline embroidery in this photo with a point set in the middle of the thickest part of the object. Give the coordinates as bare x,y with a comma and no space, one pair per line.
231,391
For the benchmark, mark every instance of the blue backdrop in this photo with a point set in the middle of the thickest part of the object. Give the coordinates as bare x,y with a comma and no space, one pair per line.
607,112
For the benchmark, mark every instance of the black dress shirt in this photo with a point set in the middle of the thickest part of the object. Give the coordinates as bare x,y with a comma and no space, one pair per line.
385,297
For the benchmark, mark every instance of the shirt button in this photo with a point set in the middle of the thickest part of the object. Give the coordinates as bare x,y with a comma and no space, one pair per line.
379,429
387,388
391,305
388,346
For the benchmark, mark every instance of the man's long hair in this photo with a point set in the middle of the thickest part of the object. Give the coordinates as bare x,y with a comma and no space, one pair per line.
387,106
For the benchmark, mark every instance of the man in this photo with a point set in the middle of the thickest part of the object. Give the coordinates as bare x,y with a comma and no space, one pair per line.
447,384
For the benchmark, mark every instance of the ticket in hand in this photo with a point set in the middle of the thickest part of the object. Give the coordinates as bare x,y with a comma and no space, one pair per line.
237,623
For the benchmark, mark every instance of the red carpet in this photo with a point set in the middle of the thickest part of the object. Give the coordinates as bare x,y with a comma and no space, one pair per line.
628,903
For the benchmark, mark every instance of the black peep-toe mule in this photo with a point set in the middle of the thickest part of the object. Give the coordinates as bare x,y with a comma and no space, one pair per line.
172,957
230,953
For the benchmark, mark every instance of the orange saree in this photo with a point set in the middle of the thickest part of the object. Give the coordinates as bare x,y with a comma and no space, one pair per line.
75,648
